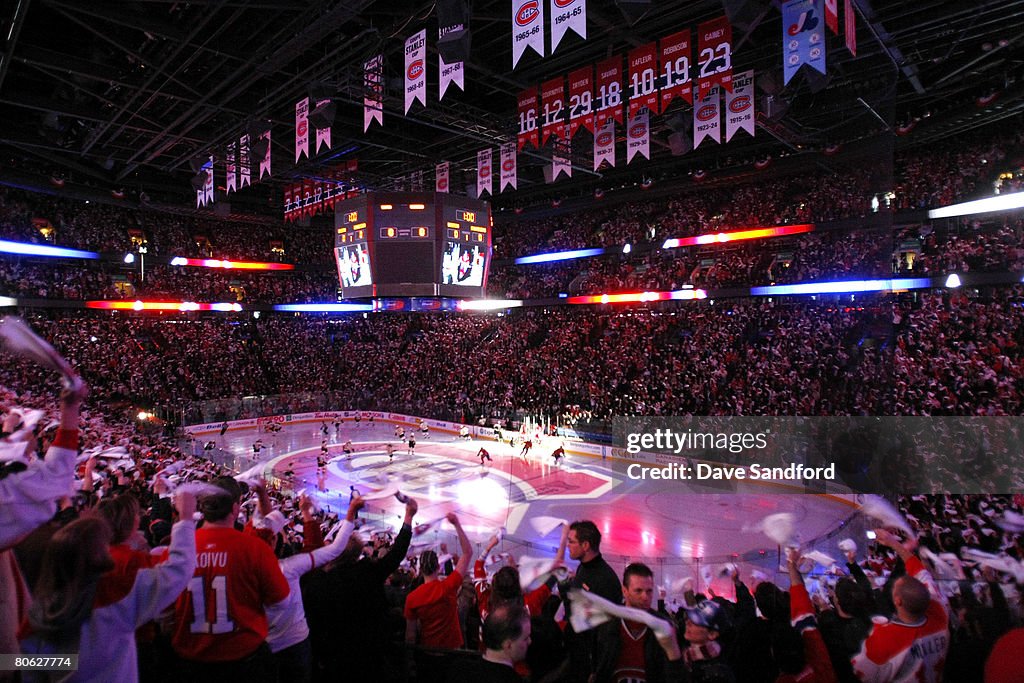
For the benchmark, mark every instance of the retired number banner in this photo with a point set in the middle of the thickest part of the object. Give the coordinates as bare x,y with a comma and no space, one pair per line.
581,100
528,134
714,50
609,91
675,68
643,85
552,102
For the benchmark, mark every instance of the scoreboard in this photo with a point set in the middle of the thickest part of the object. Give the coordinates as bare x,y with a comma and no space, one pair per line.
412,244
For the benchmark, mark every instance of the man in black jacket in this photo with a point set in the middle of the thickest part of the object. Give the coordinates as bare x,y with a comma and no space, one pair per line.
628,650
348,612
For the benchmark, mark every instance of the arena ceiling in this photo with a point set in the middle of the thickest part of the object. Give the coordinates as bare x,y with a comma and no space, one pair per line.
125,94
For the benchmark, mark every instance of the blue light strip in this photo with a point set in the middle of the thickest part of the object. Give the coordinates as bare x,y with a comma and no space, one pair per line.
324,308
558,256
843,287
26,249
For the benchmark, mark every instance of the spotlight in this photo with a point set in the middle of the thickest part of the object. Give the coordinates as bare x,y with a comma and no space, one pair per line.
129,258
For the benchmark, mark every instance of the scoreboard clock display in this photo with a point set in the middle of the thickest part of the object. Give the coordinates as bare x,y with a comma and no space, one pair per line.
412,244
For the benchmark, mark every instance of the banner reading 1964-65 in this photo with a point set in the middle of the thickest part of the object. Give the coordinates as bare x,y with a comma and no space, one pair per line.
567,15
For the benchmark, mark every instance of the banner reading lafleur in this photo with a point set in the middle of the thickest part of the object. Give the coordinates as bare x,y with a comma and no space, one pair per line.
604,145
373,91
302,129
714,49
643,84
244,162
675,68
739,105
484,177
609,91
528,134
581,100
552,102
706,118
323,135
527,28
803,37
509,173
638,136
441,183
415,69
232,168
567,15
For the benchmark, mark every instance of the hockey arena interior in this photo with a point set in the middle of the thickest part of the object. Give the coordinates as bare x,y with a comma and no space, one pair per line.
597,341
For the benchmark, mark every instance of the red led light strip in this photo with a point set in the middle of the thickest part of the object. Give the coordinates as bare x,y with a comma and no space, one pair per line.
737,235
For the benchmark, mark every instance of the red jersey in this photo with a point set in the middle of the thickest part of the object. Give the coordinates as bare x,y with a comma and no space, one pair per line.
632,664
220,616
434,605
895,652
118,582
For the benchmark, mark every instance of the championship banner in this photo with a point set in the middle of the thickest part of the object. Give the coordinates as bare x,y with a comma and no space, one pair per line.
509,172
705,118
244,162
265,161
850,21
450,73
415,69
373,91
232,167
581,100
484,181
638,136
451,18
567,15
643,85
323,135
301,129
803,35
528,118
739,105
675,68
443,171
417,181
832,16
552,102
561,159
604,145
714,49
609,91
527,28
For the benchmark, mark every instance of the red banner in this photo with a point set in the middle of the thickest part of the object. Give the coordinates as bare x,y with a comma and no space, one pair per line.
675,68
714,50
643,75
528,118
850,25
552,104
581,100
609,91
832,15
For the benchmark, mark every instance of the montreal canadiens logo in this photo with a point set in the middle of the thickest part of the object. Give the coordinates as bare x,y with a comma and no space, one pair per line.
604,139
415,69
508,165
563,3
707,113
301,128
740,104
637,131
442,183
527,12
485,171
